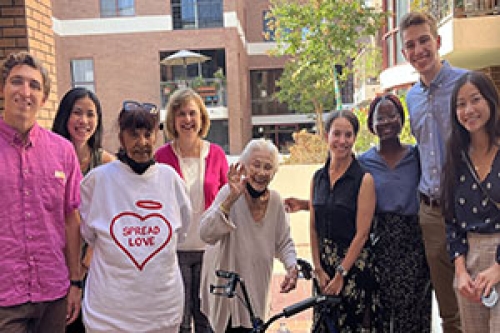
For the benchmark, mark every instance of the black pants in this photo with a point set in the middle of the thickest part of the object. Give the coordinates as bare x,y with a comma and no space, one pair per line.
190,263
76,326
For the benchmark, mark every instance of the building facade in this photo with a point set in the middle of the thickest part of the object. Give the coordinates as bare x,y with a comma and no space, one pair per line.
117,48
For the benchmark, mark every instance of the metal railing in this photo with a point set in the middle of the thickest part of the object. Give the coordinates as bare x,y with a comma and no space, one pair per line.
441,9
481,7
211,90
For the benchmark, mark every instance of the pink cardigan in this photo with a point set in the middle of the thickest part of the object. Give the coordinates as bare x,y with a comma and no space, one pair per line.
215,168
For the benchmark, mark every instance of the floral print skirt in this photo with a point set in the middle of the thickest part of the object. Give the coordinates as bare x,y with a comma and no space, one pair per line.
360,302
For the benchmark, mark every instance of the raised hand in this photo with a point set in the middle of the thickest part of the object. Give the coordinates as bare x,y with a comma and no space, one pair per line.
237,182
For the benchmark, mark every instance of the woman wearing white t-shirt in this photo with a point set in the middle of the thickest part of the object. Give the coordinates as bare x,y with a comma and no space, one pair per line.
134,212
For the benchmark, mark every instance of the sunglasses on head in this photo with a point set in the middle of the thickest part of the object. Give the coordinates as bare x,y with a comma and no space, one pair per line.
136,106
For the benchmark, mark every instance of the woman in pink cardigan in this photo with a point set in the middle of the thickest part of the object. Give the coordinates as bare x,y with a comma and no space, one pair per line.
203,166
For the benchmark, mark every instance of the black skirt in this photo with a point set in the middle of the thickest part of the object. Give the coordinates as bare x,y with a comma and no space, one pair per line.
403,274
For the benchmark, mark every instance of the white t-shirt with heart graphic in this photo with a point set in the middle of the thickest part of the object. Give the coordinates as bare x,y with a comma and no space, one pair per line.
133,222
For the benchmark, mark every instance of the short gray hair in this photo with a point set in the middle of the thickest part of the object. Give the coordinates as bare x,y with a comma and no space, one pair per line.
260,145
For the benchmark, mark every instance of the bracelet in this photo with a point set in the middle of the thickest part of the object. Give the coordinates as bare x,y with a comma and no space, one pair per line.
341,270
76,283
224,210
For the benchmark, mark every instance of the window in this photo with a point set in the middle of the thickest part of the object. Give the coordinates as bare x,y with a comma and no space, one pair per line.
82,73
262,88
112,8
197,14
281,135
219,133
268,28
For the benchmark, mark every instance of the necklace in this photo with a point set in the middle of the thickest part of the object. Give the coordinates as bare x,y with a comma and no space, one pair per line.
84,158
194,152
482,164
258,206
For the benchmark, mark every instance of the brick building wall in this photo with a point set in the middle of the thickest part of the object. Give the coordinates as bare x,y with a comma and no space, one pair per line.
27,25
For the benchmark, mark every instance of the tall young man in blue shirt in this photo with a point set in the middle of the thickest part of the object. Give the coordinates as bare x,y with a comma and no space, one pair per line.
429,107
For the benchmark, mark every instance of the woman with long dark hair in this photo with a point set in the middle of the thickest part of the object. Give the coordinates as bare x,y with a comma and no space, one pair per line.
79,119
471,199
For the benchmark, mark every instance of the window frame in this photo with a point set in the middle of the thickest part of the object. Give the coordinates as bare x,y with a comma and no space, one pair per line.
118,10
89,84
199,21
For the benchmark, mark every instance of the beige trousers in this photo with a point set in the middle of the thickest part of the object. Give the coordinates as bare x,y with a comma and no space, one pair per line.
477,318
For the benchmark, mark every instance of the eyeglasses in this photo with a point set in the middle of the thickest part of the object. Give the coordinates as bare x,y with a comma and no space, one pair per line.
383,119
136,106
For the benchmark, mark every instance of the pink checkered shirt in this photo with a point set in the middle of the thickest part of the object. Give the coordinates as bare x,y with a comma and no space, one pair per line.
39,186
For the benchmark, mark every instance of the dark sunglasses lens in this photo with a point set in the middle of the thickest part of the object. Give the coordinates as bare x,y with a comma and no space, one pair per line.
151,108
131,106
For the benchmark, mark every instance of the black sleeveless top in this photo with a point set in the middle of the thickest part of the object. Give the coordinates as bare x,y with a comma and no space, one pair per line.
335,208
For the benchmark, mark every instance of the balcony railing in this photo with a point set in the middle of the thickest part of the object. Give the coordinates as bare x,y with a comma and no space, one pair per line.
212,91
481,7
463,8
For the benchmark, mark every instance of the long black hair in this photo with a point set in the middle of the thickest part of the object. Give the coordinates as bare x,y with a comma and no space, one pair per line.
460,138
65,109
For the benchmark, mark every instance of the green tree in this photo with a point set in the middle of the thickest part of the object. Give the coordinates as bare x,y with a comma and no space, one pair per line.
317,35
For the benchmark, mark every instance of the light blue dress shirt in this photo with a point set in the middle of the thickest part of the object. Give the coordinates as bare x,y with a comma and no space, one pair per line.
429,109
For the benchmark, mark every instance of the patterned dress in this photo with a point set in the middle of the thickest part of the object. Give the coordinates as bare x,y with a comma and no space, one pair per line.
335,221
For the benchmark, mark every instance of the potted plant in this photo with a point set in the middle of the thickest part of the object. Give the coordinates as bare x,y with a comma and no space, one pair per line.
221,78
197,82
459,9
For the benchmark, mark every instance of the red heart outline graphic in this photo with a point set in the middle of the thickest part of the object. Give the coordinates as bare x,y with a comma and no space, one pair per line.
140,265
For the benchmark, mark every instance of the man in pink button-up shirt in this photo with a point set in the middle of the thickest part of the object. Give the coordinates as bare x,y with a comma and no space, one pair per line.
39,198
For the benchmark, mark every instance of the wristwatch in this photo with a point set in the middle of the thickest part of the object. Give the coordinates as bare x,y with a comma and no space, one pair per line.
76,283
341,270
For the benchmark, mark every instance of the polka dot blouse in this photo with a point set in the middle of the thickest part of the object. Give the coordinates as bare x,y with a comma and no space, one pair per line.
474,212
